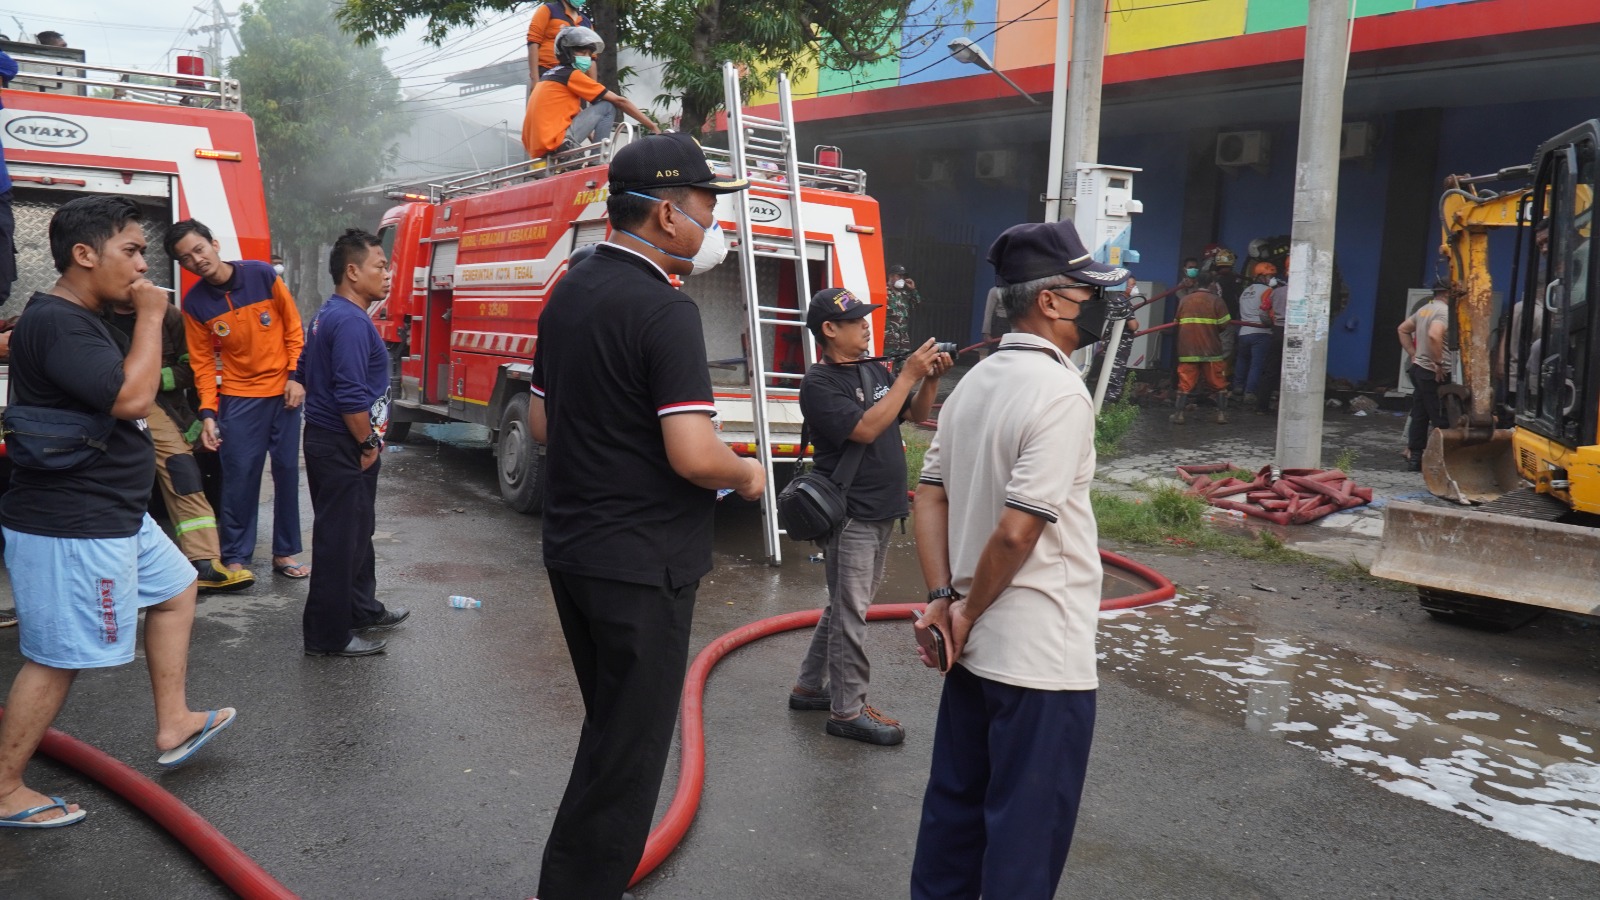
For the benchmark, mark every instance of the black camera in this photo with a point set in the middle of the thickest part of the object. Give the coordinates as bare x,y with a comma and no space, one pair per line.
946,347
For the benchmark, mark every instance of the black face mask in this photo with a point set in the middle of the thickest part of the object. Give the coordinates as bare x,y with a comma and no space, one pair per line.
1093,319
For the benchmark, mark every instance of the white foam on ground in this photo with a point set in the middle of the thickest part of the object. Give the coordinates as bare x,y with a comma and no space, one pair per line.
1460,758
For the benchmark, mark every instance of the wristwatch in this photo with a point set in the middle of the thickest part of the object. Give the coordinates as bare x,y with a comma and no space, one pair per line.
373,441
944,593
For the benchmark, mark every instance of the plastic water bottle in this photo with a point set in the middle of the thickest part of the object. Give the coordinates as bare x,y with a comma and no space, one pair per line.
460,602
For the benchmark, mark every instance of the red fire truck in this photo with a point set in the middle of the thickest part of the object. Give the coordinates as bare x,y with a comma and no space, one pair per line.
180,148
475,258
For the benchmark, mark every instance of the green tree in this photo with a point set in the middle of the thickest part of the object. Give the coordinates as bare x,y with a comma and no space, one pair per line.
766,36
326,112
692,37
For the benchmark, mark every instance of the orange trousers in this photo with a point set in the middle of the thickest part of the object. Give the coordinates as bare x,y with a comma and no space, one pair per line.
1190,373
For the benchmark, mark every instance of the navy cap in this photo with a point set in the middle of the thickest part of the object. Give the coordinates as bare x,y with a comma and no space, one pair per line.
836,305
1045,250
673,159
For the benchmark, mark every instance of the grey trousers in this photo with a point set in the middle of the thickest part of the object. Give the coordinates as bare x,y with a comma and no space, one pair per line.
856,554
592,124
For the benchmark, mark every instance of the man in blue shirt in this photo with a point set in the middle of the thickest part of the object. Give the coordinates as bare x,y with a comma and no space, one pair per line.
345,369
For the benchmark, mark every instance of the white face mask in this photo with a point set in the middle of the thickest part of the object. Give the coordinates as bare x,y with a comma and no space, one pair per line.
713,250
278,267
899,282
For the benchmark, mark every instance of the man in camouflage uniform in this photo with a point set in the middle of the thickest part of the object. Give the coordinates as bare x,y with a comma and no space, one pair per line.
902,297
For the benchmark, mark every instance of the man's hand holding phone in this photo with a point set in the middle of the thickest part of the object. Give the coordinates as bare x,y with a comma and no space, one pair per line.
942,630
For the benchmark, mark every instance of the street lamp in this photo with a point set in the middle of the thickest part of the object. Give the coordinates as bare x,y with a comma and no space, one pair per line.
963,50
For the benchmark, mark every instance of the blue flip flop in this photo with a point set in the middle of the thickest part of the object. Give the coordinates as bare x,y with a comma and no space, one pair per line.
67,818
180,754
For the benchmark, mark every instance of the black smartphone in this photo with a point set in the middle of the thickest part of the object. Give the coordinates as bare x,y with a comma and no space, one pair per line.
932,639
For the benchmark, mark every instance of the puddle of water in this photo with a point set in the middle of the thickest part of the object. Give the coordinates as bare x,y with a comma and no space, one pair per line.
1527,775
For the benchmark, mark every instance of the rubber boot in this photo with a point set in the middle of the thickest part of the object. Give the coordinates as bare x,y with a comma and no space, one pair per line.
1177,417
1222,407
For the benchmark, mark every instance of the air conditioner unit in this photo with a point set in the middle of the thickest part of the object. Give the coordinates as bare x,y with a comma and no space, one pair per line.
1358,140
1237,149
993,165
935,169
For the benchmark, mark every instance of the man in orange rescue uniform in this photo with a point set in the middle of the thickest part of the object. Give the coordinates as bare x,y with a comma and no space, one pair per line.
249,310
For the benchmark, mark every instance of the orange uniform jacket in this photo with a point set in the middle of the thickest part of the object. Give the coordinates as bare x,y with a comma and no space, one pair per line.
553,106
254,320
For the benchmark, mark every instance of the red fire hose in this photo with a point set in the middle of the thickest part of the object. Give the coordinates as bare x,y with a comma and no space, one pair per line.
247,879
692,768
220,855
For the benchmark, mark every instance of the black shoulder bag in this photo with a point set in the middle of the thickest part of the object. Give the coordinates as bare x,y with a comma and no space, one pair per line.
811,506
56,440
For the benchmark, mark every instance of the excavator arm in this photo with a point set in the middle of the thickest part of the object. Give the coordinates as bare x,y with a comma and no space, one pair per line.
1470,461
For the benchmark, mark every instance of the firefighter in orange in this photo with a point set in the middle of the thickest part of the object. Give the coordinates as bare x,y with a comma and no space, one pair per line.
546,24
1202,320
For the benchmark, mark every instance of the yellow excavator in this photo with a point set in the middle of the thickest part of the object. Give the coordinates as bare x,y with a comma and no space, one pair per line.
1521,458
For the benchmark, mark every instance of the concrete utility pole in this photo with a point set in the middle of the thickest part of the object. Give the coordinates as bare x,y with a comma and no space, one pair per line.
1075,109
1316,200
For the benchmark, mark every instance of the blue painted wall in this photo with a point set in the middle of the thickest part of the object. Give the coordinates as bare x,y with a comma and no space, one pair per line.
926,33
1261,204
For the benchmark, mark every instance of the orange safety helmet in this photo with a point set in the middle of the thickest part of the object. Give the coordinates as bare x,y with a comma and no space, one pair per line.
1263,269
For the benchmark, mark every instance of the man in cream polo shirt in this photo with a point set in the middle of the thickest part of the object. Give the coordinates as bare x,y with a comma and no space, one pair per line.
1007,542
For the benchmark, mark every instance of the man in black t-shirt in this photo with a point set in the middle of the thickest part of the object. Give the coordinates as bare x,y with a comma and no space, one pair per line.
622,399
850,402
83,554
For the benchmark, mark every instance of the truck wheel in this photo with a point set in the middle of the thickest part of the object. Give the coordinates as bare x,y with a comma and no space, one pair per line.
521,459
398,432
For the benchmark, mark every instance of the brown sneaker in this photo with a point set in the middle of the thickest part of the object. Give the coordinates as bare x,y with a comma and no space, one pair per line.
870,726
809,701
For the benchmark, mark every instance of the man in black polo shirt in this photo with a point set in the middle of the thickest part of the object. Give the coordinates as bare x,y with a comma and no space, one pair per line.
622,401
851,401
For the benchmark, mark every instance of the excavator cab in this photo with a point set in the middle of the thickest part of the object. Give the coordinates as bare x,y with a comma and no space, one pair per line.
1556,395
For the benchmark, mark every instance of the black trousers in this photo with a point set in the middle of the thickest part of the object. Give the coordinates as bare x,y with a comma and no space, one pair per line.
344,581
629,645
1427,412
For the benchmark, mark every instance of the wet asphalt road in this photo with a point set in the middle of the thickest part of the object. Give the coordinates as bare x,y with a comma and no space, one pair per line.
433,771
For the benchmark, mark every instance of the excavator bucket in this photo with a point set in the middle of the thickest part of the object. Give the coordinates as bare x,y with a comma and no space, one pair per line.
1469,472
1492,555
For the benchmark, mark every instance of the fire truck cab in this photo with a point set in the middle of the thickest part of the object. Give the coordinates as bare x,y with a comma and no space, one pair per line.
475,259
179,146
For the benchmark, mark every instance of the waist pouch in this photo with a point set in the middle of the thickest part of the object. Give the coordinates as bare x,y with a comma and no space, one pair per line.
812,506
56,440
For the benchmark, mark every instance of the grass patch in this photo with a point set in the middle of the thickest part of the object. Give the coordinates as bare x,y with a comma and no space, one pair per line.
917,442
1346,460
1165,515
1114,422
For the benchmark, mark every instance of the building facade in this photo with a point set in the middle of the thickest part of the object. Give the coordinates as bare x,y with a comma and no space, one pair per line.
1203,96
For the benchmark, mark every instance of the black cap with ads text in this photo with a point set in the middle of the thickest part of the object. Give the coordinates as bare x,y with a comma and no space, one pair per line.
672,159
836,305
1035,250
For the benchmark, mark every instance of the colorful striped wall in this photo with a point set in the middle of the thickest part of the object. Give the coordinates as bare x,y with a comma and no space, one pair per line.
1019,34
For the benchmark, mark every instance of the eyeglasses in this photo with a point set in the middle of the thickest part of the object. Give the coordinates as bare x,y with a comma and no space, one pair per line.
1058,289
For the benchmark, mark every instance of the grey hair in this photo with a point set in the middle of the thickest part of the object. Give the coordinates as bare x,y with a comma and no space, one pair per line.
1018,298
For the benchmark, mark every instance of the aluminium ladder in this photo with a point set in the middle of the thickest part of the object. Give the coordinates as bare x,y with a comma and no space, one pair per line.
764,151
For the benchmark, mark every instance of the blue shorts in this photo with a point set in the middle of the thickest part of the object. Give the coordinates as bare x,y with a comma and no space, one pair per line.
78,599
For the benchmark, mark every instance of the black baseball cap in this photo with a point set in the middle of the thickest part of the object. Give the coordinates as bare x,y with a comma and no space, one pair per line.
1036,250
672,159
836,305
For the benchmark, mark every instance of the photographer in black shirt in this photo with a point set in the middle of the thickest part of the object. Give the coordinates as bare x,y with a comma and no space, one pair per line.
838,412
